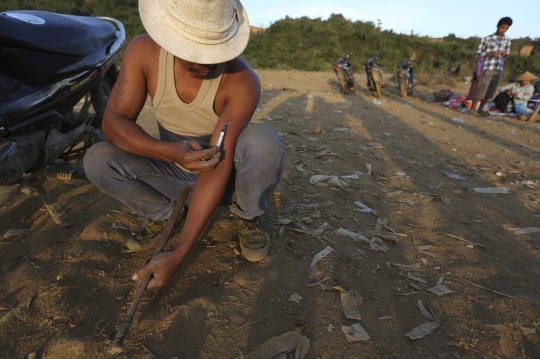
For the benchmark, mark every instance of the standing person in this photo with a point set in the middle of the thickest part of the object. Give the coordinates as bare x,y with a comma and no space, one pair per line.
493,50
190,65
372,61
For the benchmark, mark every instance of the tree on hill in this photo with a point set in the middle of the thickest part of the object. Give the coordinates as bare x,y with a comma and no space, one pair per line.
314,44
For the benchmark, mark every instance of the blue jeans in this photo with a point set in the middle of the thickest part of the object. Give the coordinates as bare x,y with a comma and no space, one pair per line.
150,187
520,109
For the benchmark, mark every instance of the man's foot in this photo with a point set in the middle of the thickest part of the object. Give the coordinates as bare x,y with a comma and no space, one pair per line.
254,241
148,233
474,113
485,114
523,118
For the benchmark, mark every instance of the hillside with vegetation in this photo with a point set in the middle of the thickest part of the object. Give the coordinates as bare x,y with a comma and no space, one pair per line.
314,44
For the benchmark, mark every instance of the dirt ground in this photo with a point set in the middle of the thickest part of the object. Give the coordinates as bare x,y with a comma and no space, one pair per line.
220,306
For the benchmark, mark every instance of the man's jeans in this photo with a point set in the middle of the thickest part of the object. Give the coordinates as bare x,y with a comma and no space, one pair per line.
150,187
520,109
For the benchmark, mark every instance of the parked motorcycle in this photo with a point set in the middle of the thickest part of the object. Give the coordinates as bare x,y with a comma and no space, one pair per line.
405,75
56,72
374,76
344,73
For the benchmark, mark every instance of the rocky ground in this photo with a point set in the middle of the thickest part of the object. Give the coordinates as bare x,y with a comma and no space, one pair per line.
427,247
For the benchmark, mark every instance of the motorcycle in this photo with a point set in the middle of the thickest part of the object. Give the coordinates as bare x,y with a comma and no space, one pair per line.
374,76
344,73
56,72
405,75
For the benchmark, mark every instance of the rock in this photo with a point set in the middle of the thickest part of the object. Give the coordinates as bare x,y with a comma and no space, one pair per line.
66,348
133,245
246,278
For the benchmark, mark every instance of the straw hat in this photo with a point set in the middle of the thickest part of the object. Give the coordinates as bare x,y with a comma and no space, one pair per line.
526,76
200,31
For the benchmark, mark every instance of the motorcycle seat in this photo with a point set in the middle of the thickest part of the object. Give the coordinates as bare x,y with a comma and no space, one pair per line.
54,33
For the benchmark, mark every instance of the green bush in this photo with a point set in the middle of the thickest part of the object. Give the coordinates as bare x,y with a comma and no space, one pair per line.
314,44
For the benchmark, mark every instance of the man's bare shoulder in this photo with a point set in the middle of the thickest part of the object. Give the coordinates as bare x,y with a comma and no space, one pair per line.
240,75
143,48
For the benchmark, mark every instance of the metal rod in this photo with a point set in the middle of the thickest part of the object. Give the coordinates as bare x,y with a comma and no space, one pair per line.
126,322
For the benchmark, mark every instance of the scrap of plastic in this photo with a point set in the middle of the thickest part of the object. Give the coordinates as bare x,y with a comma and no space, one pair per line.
318,257
453,176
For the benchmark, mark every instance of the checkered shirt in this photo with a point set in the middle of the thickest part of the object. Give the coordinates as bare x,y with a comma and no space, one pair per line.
493,43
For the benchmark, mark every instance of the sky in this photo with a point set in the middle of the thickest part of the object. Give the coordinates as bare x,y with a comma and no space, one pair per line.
434,18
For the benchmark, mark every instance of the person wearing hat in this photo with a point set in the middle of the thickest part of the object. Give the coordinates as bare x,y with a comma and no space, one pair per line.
190,66
520,92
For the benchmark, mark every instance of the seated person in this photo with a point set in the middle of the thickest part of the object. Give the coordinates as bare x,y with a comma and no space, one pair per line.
519,92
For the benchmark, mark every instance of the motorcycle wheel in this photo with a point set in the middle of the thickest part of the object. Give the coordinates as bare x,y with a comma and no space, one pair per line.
403,86
343,82
378,89
91,116
352,86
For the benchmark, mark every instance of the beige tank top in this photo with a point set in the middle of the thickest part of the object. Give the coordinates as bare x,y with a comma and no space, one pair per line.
192,120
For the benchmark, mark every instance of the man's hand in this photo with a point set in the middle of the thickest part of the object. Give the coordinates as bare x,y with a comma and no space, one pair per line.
504,54
191,156
163,267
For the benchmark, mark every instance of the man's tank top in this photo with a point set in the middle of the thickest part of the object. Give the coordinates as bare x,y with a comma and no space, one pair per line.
195,120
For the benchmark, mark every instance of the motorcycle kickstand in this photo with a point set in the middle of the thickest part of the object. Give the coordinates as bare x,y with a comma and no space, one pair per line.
37,184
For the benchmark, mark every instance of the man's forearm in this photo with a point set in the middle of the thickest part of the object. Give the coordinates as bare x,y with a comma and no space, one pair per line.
209,189
130,137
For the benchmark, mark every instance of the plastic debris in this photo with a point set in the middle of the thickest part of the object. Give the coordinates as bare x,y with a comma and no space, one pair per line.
362,207
458,120
328,181
526,230
350,301
317,258
415,277
369,168
354,176
453,176
491,190
355,333
285,343
350,234
20,311
424,312
342,129
422,330
406,267
14,232
401,175
321,229
440,290
407,201
386,236
295,297
325,151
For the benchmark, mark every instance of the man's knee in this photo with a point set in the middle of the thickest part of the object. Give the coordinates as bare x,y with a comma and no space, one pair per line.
98,160
259,138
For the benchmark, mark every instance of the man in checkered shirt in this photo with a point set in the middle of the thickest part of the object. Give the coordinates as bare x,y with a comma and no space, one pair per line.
493,49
